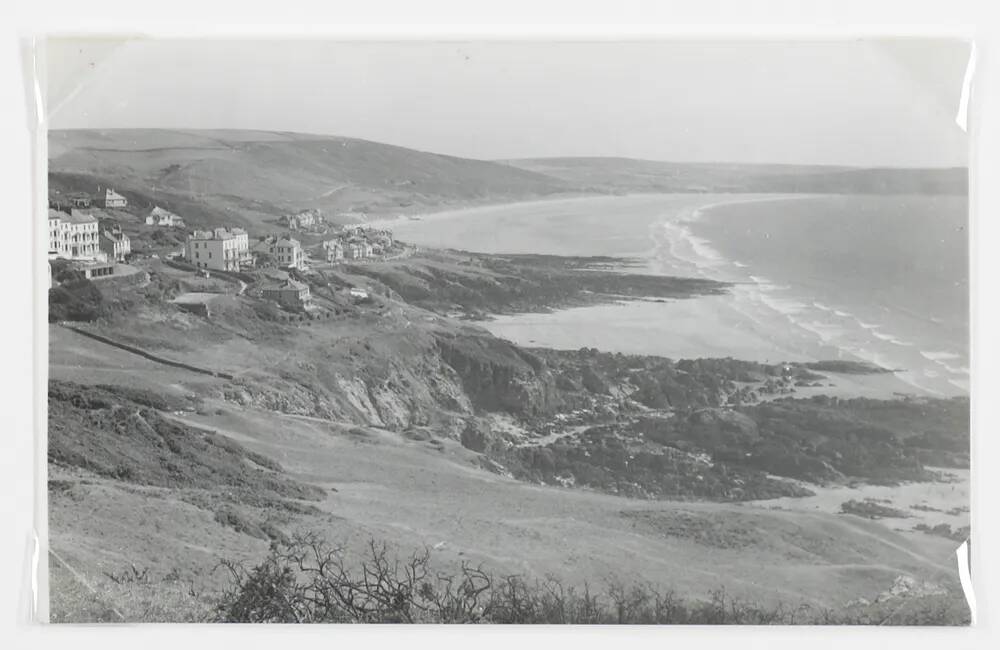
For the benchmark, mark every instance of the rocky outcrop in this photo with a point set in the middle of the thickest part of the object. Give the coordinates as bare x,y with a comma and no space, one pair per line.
394,393
499,376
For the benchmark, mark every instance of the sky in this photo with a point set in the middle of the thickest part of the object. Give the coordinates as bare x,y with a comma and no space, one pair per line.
842,102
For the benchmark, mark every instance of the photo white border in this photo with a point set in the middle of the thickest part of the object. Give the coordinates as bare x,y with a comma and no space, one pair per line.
512,20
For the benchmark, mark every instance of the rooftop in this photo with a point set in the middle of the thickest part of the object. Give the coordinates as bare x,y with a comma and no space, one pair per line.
115,236
218,233
285,284
74,216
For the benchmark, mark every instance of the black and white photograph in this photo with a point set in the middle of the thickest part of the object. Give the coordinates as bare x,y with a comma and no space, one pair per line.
668,331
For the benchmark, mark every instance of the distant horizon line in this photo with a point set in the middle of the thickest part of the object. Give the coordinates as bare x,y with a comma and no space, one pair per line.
837,166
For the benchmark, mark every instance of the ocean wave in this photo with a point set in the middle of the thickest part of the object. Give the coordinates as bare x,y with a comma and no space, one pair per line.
908,377
961,384
939,356
826,332
813,325
784,306
889,338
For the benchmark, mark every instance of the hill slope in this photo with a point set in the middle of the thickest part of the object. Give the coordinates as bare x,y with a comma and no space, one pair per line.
253,176
631,175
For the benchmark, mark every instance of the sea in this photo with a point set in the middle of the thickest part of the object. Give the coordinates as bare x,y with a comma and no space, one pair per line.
874,278
884,279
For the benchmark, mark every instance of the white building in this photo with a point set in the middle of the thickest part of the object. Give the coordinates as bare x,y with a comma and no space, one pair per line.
303,219
285,251
223,249
73,234
115,244
358,250
160,217
113,199
334,250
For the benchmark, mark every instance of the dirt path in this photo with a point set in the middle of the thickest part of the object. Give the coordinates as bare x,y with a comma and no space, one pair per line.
549,438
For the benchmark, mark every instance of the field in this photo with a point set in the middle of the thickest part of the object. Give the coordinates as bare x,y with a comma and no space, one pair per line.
419,491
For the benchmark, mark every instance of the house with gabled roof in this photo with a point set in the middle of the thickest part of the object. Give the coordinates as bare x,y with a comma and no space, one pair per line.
164,218
112,199
288,293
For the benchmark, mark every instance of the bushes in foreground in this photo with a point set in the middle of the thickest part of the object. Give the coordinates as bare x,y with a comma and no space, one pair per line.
304,580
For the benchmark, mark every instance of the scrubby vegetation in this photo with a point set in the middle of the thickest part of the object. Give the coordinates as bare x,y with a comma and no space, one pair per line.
736,453
871,509
305,580
119,433
602,459
75,300
718,429
78,299
959,534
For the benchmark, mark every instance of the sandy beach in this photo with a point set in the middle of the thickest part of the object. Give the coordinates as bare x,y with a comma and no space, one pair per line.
757,320
704,327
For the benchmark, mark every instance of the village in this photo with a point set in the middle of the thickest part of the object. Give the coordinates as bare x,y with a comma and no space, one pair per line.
89,238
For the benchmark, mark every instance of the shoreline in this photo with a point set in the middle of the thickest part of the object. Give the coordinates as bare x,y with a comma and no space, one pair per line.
756,320
838,320
451,212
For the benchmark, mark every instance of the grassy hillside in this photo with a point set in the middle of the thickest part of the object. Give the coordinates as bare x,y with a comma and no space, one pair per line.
365,425
252,176
631,175
416,494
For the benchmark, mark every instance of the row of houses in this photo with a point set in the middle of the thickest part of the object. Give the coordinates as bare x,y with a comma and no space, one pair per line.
357,243
304,220
77,235
230,249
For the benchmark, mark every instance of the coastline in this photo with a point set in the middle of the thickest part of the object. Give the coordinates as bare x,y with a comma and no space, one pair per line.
758,319
438,213
867,322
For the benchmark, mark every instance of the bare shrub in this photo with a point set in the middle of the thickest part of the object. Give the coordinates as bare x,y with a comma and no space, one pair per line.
307,580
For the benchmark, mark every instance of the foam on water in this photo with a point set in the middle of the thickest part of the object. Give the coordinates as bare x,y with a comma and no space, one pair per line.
830,326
